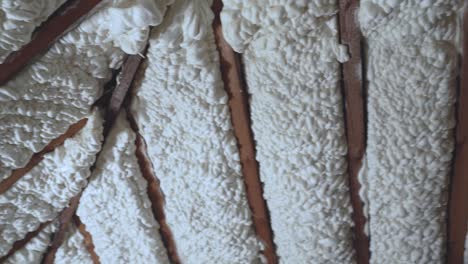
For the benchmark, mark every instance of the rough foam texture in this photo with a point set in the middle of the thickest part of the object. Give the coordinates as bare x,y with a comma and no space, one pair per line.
412,61
466,249
181,110
73,249
59,88
33,252
124,24
115,206
19,18
44,191
291,53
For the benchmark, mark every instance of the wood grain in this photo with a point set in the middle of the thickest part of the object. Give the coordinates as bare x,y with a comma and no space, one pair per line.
240,117
59,23
352,85
458,200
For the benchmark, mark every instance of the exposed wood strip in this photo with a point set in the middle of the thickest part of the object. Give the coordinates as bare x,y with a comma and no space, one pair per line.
458,201
88,240
21,243
154,193
240,117
37,157
59,236
64,19
354,105
128,72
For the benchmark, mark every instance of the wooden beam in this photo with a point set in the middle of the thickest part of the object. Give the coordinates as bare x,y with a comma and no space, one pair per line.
240,117
59,23
88,239
37,157
64,219
128,72
154,193
352,84
458,200
21,243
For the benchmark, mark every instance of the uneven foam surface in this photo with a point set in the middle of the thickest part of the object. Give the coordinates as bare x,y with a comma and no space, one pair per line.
182,113
44,191
466,249
291,57
115,206
58,89
73,249
19,18
33,252
412,61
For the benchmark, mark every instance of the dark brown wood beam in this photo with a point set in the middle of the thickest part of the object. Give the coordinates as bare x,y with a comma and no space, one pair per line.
458,199
50,31
354,105
88,239
64,219
240,116
126,76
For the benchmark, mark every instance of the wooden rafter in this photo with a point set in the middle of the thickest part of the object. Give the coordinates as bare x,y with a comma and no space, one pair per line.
71,13
21,243
352,72
458,200
154,193
37,157
88,239
352,85
59,236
